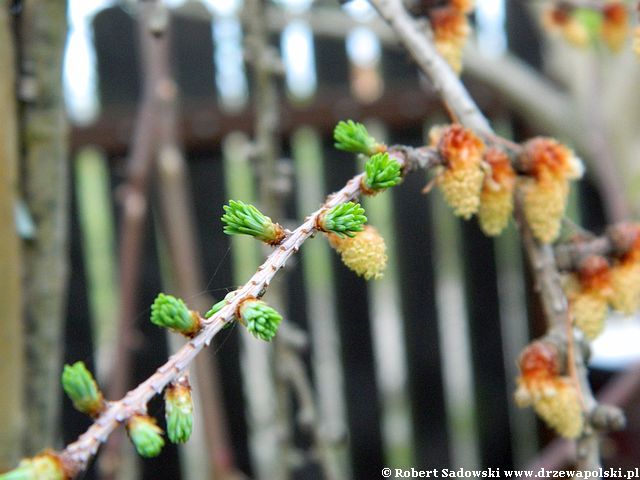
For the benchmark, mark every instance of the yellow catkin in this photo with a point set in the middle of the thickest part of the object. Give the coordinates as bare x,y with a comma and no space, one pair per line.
365,253
625,283
636,41
544,206
589,311
555,401
462,176
495,211
461,189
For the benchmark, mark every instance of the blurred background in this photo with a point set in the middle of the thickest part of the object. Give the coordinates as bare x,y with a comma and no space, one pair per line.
168,110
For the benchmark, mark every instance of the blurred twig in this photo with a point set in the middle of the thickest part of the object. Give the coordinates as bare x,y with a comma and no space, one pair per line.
134,213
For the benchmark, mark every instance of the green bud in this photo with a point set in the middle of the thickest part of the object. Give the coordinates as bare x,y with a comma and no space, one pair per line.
179,412
243,219
46,466
168,311
382,171
218,306
145,435
260,319
80,386
353,137
344,219
215,309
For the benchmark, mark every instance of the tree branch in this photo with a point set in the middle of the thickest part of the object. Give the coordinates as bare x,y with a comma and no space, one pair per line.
12,373
541,257
45,182
76,455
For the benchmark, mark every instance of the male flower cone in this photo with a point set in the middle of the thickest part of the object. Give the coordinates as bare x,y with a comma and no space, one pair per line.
461,180
365,253
588,292
553,397
496,199
550,165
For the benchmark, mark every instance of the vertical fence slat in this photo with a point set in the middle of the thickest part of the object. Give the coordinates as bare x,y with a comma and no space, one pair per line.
96,221
388,336
515,334
514,329
323,318
256,356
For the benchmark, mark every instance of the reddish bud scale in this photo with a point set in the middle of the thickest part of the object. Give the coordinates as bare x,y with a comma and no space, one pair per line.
539,360
615,25
545,157
615,12
633,253
460,147
556,16
463,6
595,274
502,175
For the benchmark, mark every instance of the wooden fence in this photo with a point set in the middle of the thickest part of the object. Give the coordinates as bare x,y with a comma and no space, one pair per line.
416,369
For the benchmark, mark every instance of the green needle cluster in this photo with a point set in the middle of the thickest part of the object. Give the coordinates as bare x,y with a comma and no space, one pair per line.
382,171
344,219
82,389
145,435
168,311
353,137
242,219
178,413
260,319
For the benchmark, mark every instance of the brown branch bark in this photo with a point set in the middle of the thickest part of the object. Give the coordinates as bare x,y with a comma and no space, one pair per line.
45,177
12,373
